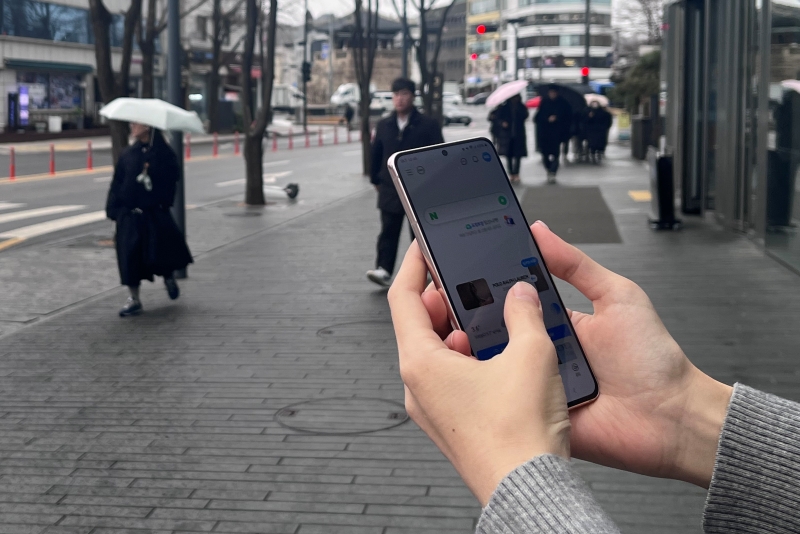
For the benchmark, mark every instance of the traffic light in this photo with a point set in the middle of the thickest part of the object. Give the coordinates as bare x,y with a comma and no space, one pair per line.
480,29
473,56
585,75
306,71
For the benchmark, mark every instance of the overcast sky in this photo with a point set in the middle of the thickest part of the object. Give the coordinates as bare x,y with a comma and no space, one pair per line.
292,10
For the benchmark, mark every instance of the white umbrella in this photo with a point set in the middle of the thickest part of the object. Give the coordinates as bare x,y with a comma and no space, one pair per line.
153,112
504,92
600,99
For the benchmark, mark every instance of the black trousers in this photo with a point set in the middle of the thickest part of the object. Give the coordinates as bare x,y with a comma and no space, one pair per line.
513,165
550,161
389,239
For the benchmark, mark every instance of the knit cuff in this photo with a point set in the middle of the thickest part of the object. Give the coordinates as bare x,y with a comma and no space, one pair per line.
756,482
543,495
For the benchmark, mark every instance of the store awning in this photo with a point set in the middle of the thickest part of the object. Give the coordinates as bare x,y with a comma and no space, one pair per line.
48,66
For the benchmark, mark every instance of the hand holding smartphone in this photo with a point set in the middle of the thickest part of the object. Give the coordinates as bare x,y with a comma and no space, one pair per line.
477,245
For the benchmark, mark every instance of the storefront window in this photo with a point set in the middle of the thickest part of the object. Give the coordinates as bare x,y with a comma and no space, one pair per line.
51,91
478,7
783,139
53,22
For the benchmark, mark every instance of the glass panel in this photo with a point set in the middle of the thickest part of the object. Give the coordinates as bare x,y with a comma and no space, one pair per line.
712,81
53,22
783,137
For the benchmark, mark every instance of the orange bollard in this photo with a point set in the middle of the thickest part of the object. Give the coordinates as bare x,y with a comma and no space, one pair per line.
12,165
215,149
236,143
308,139
320,136
89,162
274,142
52,158
348,136
335,135
291,140
188,146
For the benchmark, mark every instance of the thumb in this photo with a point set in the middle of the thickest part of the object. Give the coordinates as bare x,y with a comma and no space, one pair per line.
523,315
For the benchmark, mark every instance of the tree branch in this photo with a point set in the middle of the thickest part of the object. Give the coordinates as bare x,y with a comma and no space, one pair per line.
163,24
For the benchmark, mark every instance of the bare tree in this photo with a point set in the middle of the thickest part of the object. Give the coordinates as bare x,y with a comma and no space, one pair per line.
428,63
364,43
256,120
113,86
642,19
222,21
147,36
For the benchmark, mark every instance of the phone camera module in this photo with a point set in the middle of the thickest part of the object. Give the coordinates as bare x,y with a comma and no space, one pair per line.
444,152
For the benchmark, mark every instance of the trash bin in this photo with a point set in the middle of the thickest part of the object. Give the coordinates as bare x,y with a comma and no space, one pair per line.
53,123
662,191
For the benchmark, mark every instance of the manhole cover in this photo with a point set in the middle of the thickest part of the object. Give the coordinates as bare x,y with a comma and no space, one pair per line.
360,329
342,415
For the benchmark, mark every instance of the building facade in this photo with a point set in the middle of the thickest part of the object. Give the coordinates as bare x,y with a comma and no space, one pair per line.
47,62
483,58
452,52
549,37
731,74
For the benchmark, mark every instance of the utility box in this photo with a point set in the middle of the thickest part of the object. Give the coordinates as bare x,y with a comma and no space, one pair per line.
54,123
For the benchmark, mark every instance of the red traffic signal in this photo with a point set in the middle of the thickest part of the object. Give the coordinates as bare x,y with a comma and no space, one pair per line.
473,57
480,29
585,72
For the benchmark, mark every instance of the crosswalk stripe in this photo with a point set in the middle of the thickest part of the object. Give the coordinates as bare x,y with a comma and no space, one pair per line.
37,212
35,230
268,178
10,205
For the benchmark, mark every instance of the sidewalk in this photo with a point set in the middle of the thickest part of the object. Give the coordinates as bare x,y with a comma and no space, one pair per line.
174,421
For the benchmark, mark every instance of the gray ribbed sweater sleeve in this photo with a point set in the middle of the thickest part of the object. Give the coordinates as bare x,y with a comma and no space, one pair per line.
544,495
756,482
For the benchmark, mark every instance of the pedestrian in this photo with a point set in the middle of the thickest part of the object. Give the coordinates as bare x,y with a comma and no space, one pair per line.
504,423
508,126
553,122
596,124
148,242
404,129
348,115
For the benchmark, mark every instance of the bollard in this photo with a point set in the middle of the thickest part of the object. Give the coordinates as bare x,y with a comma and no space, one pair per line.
308,139
291,140
89,162
236,143
335,135
188,146
320,136
215,150
274,142
12,165
52,158
348,136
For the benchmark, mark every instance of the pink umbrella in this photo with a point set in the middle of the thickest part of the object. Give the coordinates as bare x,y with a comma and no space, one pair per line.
504,92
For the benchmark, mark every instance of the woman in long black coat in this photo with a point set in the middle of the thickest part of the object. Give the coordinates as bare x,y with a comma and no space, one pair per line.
508,127
597,123
148,241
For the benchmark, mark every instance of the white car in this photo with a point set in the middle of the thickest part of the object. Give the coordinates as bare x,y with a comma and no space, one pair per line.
452,99
382,100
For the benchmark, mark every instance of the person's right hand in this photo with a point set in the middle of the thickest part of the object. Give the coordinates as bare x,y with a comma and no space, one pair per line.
657,414
552,118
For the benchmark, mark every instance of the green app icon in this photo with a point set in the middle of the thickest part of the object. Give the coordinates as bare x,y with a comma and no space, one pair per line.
502,200
434,215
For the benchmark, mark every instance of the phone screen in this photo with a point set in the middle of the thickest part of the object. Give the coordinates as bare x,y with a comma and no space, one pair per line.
481,245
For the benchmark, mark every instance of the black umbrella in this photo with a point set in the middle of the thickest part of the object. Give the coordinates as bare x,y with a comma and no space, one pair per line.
574,98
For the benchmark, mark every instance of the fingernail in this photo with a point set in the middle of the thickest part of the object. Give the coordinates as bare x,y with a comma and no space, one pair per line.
542,223
525,291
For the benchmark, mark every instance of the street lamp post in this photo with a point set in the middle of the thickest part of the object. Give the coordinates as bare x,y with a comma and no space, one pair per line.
515,26
586,40
175,98
405,39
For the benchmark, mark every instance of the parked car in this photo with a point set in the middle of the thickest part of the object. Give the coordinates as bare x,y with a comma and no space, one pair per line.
381,100
453,99
452,115
478,100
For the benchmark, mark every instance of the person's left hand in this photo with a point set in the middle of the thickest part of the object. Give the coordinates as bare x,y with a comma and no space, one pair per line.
487,417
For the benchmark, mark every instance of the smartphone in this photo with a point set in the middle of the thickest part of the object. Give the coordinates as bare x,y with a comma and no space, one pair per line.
478,244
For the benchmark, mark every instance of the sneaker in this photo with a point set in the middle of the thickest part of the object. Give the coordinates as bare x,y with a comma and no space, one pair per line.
292,190
132,307
380,276
172,288
551,177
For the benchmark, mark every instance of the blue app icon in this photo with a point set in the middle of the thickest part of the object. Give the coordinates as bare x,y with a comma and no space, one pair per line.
487,157
556,308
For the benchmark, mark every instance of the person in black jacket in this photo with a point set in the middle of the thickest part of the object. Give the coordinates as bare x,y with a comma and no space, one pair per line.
596,124
405,128
148,241
508,128
553,121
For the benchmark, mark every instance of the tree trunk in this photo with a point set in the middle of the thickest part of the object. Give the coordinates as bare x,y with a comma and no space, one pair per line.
254,170
366,135
217,37
148,60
